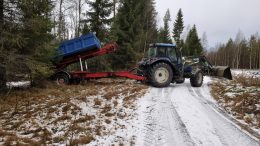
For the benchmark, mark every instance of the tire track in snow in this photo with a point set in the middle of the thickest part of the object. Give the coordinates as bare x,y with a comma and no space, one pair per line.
191,91
233,121
152,133
163,125
181,128
225,128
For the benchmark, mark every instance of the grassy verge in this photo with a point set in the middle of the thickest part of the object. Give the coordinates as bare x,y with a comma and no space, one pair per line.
240,97
71,115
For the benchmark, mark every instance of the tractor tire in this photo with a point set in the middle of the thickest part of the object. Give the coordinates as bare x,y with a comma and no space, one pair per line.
62,79
160,75
180,81
197,80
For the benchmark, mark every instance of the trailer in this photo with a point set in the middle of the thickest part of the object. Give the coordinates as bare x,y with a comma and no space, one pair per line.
80,50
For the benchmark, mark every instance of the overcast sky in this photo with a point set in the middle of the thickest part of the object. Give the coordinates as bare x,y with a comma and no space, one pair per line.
220,19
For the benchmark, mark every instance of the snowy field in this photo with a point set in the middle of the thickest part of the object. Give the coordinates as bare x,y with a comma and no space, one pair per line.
98,113
241,97
245,72
119,112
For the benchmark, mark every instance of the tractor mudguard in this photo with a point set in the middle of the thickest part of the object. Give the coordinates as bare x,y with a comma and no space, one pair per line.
151,61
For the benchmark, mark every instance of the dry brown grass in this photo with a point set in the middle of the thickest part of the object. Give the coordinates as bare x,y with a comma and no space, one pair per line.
85,119
244,102
107,121
14,140
56,106
110,95
97,102
62,118
110,114
106,109
247,81
82,140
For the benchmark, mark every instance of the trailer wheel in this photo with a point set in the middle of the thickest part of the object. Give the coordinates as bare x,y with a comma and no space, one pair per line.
160,75
62,79
197,80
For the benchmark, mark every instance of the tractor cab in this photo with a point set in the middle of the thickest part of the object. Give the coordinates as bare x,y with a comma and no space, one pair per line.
167,51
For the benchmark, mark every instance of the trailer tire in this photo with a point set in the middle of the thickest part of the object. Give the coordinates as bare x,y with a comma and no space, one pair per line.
197,79
160,75
62,79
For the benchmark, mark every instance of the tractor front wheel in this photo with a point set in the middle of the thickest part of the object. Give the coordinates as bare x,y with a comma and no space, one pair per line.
197,79
160,75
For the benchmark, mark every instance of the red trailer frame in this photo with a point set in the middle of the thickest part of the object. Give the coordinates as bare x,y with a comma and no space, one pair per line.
87,75
107,49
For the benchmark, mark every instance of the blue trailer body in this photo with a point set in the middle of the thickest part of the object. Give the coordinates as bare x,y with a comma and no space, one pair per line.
81,44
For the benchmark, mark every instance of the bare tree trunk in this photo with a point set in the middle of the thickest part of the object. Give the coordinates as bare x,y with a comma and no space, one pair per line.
238,56
114,7
233,62
60,20
259,59
80,5
250,58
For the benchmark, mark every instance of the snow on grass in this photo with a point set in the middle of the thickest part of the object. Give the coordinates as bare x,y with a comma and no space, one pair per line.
245,72
18,84
98,113
241,97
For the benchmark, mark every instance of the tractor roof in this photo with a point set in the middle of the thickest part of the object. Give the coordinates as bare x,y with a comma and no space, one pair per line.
163,45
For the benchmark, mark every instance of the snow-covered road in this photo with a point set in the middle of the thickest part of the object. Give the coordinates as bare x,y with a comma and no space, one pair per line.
181,115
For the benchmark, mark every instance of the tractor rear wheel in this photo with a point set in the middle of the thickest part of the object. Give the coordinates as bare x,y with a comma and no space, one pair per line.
160,75
197,80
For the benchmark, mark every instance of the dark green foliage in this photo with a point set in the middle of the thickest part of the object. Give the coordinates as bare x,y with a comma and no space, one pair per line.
178,29
25,42
37,25
85,29
98,20
133,29
164,33
1,14
2,78
192,46
98,17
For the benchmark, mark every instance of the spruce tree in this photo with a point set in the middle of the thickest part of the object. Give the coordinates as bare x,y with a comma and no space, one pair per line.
178,29
164,32
192,46
37,24
133,29
98,16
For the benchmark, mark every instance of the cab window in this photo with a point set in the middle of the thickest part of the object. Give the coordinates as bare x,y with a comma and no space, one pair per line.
161,52
172,53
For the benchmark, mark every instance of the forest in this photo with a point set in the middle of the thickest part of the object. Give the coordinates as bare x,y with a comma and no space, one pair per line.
238,53
31,30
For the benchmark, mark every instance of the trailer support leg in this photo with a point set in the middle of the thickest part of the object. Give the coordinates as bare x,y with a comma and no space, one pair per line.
86,65
81,66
